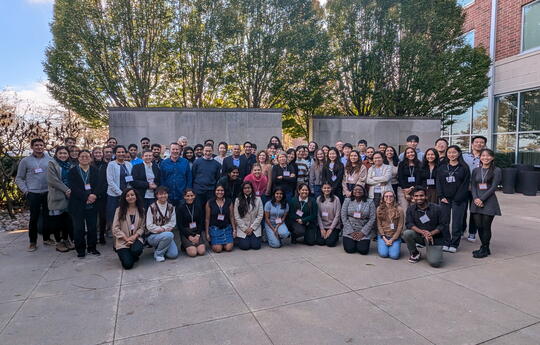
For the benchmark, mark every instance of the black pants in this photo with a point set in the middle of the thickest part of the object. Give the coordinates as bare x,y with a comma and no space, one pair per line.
249,242
203,197
351,246
330,241
472,225
62,226
307,232
84,228
483,223
101,205
37,203
128,256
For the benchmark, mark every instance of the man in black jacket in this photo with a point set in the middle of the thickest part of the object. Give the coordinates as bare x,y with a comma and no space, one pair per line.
146,178
235,160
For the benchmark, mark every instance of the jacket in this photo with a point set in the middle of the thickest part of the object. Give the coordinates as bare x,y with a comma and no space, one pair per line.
56,198
79,194
252,219
121,228
375,181
140,181
228,163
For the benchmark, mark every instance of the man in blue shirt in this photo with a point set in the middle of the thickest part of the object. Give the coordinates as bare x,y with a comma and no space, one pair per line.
133,150
206,172
235,160
175,174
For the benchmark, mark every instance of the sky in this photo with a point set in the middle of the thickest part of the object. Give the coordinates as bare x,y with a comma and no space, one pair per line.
25,33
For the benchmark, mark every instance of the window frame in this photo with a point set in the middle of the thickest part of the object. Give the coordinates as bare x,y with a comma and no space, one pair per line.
467,5
537,2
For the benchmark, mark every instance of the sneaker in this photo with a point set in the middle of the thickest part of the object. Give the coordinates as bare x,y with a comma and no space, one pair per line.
69,244
414,258
452,249
160,258
32,247
445,249
418,245
471,238
49,242
81,255
61,247
94,251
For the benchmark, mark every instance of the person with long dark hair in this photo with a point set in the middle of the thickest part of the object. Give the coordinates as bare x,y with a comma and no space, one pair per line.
329,217
276,142
428,174
302,216
312,148
275,214
378,178
264,161
485,206
231,182
390,224
452,184
409,175
57,199
128,228
189,154
190,222
284,176
222,152
333,172
248,215
355,173
358,218
391,159
83,181
315,172
219,223
160,223
119,179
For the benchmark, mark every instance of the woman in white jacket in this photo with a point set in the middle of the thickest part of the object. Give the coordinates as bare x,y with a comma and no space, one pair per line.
378,178
248,214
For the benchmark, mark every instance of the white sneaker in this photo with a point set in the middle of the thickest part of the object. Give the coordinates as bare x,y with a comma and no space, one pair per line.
471,238
452,249
445,249
160,258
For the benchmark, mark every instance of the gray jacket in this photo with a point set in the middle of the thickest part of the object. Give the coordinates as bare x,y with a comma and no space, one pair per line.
56,199
32,174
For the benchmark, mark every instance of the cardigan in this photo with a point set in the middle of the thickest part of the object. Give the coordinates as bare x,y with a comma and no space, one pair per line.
356,178
375,181
140,181
364,224
252,219
56,198
113,177
183,218
334,176
329,213
384,223
121,228
287,183
310,211
404,173
315,175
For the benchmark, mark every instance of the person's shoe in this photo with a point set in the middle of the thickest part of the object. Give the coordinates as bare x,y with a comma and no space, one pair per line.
418,245
31,247
452,249
69,244
61,247
414,258
480,253
81,255
49,242
160,258
102,240
471,238
445,249
293,240
94,251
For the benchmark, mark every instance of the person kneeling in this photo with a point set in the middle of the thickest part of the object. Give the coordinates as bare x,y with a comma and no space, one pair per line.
190,222
303,216
358,218
248,214
128,228
425,224
275,213
220,231
390,223
160,222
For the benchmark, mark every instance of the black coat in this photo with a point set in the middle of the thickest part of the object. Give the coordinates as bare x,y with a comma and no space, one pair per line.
79,194
228,163
140,182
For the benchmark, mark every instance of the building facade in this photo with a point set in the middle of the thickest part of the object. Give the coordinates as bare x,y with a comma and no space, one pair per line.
509,116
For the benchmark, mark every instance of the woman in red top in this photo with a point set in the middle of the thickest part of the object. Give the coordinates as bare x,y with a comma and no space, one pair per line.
258,180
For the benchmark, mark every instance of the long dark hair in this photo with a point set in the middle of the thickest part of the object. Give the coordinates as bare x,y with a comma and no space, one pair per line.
245,201
289,151
332,196
460,156
188,148
300,186
283,201
123,204
405,161
350,168
279,146
492,164
319,162
337,162
395,158
425,162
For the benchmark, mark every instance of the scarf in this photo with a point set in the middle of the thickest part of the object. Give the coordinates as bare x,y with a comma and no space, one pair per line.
65,166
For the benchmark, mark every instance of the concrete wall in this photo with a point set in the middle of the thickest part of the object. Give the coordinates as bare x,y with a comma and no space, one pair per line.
516,73
165,125
393,131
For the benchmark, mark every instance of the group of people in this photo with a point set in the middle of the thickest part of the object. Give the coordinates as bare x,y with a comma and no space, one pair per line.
224,197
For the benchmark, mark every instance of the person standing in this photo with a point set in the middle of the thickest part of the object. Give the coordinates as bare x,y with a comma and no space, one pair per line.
378,179
236,160
250,158
358,218
355,173
223,147
231,183
441,145
206,173
303,164
428,174
329,217
390,224
146,178
101,202
83,181
160,223
156,154
391,159
333,172
32,181
315,173
425,224
412,142
119,179
133,151
128,228
362,146
284,176
478,143
258,181
57,199
368,160
485,206
452,185
264,162
175,175
248,215
409,175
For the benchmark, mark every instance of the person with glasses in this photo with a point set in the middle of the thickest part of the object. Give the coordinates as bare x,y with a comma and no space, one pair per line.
390,224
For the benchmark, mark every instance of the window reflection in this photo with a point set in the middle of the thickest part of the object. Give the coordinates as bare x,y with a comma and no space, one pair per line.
506,143
529,119
529,148
480,117
461,124
506,113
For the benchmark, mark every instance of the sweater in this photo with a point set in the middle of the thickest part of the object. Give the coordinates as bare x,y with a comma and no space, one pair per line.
329,213
259,185
186,214
288,183
356,178
206,173
453,191
176,176
169,217
390,224
32,174
406,174
379,178
113,177
309,212
364,223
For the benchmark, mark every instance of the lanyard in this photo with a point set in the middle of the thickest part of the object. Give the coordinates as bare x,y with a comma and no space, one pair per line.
484,175
302,204
411,171
431,173
123,167
161,214
220,207
84,175
191,212
451,173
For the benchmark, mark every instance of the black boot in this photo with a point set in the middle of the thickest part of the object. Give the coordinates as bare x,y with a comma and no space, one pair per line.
481,253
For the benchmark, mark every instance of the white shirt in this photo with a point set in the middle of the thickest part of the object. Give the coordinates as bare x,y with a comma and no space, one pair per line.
149,194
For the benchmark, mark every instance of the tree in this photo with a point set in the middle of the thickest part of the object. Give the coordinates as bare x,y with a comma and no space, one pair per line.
404,58
107,53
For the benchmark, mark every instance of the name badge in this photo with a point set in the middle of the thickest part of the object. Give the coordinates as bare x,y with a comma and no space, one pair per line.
192,225
257,193
38,171
334,177
377,189
324,214
430,181
450,179
424,219
350,179
278,220
286,173
357,215
221,217
150,180
392,226
132,227
482,186
411,179
299,213
87,186
129,178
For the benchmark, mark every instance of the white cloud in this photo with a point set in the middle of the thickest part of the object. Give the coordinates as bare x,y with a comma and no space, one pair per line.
35,93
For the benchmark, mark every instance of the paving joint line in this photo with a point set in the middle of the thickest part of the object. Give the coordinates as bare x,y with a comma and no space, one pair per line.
508,333
117,307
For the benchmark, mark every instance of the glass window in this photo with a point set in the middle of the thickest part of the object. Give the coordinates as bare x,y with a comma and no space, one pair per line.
531,26
461,124
506,113
468,38
529,148
529,117
506,143
463,142
480,117
464,3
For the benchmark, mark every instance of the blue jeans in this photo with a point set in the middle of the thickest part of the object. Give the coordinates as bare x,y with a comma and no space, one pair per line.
385,251
112,204
316,190
273,241
164,244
